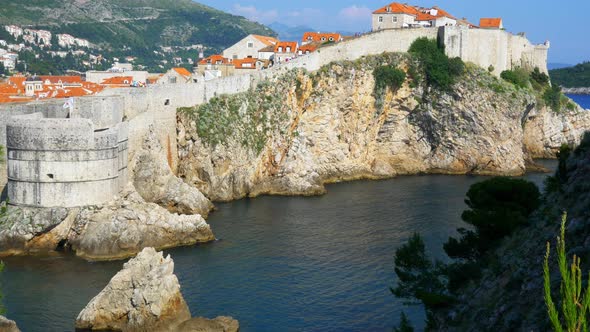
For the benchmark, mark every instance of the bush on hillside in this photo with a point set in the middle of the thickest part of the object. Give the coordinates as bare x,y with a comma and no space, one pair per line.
553,97
388,77
440,70
539,77
518,76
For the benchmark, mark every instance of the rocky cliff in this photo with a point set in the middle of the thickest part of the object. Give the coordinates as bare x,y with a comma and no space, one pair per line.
298,131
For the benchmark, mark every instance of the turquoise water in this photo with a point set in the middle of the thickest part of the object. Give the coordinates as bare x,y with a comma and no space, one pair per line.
582,100
281,263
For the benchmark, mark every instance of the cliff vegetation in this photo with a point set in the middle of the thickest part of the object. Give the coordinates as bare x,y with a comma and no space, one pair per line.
572,77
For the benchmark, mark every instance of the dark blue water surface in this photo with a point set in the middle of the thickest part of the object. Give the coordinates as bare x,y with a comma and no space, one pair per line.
582,100
281,264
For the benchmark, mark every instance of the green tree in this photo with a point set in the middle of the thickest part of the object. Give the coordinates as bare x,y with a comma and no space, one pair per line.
419,277
440,70
388,77
552,97
575,302
496,208
518,76
404,324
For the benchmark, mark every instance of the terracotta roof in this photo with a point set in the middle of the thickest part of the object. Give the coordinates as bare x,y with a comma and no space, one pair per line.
311,47
397,8
324,37
269,48
266,40
490,23
183,71
17,80
118,80
284,45
214,59
239,63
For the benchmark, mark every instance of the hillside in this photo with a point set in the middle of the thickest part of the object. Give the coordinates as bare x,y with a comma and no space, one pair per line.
572,77
134,24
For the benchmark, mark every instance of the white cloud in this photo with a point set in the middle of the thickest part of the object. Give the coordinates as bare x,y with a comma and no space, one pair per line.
254,14
355,13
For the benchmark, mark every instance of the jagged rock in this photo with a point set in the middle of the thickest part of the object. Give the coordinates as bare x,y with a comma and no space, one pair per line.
126,226
29,230
116,230
156,183
7,325
144,296
219,324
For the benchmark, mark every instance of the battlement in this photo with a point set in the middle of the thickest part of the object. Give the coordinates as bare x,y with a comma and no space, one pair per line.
67,161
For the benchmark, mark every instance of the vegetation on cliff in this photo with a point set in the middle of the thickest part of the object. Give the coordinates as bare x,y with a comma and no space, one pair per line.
441,71
572,77
498,207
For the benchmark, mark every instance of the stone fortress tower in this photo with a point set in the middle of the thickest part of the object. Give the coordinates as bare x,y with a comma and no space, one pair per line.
67,155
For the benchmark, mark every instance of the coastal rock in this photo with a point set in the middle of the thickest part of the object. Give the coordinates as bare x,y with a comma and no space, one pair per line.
116,230
576,91
126,226
7,325
156,183
330,126
143,296
219,324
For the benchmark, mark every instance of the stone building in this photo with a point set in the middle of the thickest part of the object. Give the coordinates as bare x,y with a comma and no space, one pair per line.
67,157
397,16
248,47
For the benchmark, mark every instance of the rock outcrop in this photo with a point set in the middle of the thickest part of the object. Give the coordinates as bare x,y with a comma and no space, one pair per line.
7,325
116,230
296,132
144,296
156,183
576,91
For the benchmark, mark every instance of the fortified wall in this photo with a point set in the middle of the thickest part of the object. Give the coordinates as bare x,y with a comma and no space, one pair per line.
58,158
69,158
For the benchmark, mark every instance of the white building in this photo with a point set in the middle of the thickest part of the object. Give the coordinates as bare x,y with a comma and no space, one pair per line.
249,47
398,16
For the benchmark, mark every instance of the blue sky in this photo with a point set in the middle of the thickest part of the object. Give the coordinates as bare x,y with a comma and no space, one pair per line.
565,23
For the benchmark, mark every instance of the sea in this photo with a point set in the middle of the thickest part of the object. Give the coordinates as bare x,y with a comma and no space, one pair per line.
280,263
582,100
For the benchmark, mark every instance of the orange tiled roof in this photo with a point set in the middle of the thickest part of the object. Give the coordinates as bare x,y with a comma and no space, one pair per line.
311,47
284,45
323,37
490,23
118,80
239,63
17,80
397,8
214,59
266,40
182,71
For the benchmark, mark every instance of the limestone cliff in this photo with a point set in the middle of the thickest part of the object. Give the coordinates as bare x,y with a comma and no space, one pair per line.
298,131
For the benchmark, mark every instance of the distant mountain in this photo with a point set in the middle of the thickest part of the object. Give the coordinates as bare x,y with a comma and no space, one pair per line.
572,77
132,24
286,32
554,65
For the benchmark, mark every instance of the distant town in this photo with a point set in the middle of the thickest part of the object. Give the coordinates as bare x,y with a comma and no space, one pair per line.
252,53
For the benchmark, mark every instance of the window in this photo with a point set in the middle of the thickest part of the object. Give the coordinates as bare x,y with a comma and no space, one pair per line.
331,38
323,38
288,49
309,38
172,80
280,49
380,19
395,19
250,44
235,56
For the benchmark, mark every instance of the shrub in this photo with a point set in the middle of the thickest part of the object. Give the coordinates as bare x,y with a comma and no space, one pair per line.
539,77
496,208
575,303
440,70
388,77
552,97
519,77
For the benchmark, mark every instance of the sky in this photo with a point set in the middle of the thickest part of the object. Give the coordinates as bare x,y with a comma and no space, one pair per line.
565,23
